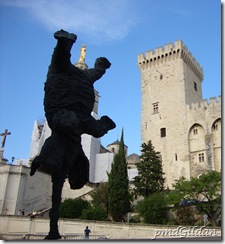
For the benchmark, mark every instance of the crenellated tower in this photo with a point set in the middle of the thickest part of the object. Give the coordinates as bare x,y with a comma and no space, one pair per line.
171,80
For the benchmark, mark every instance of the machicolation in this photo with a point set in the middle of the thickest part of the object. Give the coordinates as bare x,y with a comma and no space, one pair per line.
169,52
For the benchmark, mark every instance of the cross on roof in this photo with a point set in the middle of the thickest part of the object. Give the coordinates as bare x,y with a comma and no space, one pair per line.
4,135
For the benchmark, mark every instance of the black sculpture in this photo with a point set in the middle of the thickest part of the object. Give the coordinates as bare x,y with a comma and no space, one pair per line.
68,103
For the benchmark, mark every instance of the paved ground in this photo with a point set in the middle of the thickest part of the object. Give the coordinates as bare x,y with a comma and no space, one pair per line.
188,239
213,238
208,238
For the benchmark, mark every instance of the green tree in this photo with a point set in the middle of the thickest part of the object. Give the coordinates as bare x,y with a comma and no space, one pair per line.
150,173
118,185
100,196
73,208
185,215
153,209
205,191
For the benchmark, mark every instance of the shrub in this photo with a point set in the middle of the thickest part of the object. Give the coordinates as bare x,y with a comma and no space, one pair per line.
73,208
153,209
94,213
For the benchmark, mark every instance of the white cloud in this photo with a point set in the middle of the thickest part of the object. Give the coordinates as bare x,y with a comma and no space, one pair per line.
104,20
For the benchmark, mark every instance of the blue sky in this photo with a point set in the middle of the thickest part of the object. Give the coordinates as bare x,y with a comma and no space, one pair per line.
116,29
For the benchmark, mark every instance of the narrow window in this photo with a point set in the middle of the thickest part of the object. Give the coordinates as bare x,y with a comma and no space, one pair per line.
201,157
175,157
195,131
195,86
215,127
155,108
163,132
161,77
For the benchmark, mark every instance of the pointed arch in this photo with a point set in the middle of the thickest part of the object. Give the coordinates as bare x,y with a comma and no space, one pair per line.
197,151
216,138
196,137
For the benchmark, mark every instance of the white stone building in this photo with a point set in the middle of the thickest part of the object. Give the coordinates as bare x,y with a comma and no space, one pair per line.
183,127
19,192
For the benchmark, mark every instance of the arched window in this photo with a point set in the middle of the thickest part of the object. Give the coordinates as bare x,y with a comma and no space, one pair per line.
163,132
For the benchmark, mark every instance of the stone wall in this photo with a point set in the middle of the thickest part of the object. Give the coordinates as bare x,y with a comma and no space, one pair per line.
40,226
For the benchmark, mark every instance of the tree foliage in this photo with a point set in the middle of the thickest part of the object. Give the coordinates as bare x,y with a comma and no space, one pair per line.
150,173
205,191
185,215
73,208
100,196
153,209
118,185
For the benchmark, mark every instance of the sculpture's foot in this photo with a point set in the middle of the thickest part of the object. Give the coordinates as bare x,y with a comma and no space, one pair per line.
108,124
33,170
64,34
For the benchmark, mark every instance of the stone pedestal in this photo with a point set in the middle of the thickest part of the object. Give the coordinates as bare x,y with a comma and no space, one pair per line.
81,65
2,159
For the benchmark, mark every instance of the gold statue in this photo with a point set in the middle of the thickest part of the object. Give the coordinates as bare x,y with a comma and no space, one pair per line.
82,53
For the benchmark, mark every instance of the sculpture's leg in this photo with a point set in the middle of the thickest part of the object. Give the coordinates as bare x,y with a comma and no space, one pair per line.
58,178
98,128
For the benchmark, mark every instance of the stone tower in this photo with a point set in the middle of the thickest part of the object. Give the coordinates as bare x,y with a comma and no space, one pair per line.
171,81
114,147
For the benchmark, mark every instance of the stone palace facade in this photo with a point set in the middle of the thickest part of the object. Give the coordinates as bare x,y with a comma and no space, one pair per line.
183,127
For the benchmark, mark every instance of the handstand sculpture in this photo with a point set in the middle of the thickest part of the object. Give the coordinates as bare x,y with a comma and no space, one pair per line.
68,103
